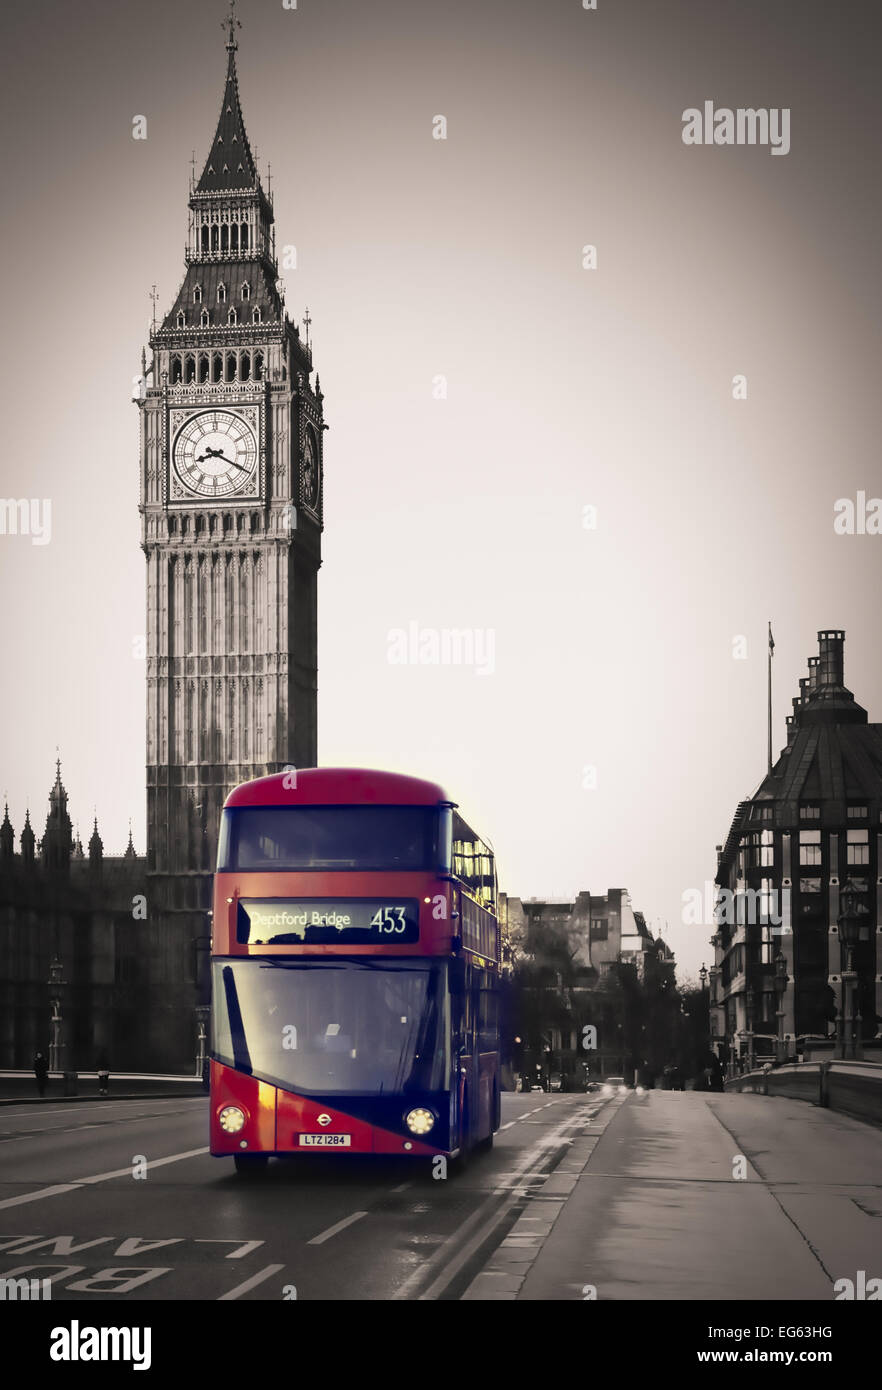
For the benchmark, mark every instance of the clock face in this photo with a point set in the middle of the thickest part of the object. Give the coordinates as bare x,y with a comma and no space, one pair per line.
215,454
310,468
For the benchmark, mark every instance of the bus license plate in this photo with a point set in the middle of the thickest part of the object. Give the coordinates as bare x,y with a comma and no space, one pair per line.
325,1141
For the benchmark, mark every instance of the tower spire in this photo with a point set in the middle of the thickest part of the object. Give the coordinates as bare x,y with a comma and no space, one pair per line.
230,166
231,24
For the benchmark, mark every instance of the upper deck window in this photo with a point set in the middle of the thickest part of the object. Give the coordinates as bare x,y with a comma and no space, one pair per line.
473,862
255,838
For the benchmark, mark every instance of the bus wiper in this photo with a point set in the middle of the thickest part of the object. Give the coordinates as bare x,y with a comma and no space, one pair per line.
267,964
401,962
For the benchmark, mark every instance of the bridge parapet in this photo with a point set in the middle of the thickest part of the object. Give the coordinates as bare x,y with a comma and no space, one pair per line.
855,1088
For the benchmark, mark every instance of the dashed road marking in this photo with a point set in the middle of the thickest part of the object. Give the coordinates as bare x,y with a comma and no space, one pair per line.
98,1177
251,1283
338,1226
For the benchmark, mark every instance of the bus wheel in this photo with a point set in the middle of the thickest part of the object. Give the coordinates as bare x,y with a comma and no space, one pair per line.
486,1144
247,1165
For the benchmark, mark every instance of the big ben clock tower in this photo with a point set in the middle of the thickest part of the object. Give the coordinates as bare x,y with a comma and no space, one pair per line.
231,506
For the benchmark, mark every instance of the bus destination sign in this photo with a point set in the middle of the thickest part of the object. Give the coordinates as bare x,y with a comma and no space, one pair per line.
300,921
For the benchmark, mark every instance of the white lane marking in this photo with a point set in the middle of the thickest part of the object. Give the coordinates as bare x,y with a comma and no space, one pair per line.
238,1254
41,1131
35,1196
154,1163
63,1111
508,1126
402,1186
251,1283
339,1226
36,1134
98,1177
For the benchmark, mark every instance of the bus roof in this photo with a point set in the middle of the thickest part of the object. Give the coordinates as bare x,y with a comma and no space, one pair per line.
337,786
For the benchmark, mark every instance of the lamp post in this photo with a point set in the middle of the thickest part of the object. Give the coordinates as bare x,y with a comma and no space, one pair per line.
752,999
57,986
850,933
202,1019
719,1042
781,981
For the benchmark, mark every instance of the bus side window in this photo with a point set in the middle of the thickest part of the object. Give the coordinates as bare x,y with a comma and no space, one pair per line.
474,997
488,1016
465,1001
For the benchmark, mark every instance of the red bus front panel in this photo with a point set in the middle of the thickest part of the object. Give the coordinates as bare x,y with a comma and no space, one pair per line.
279,1122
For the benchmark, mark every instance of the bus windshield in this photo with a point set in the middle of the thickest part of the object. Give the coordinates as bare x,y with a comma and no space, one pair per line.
338,1026
328,837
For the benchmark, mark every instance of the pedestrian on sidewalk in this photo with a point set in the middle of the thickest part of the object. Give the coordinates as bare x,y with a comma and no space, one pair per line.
41,1072
103,1070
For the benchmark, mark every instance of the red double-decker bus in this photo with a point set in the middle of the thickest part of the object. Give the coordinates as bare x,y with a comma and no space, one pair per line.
355,966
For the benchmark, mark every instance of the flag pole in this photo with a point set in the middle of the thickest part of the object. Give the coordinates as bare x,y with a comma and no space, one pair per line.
771,650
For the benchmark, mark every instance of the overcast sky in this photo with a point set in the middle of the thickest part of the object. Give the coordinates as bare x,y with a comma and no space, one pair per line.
567,388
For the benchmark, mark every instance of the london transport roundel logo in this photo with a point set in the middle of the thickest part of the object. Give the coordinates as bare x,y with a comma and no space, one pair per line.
324,1119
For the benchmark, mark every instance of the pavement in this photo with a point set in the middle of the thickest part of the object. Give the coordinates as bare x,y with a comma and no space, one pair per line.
20,1087
696,1196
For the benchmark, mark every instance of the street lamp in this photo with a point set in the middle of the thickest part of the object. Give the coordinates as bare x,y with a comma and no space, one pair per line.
781,982
703,975
57,986
852,909
751,1009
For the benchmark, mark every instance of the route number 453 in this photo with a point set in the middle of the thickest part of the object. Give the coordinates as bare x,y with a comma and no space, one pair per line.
389,919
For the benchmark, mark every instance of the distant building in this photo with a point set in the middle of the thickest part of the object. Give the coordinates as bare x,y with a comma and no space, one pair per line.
85,909
814,823
568,951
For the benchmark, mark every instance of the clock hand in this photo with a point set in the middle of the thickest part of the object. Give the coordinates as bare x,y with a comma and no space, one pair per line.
216,454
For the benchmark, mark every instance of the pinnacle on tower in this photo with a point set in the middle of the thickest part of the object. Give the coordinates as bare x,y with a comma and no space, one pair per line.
230,165
96,845
7,839
27,840
57,842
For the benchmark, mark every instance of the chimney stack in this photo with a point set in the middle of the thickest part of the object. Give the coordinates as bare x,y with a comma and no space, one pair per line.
831,660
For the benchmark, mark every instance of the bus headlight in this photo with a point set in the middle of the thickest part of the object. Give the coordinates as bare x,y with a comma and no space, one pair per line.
231,1119
419,1121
